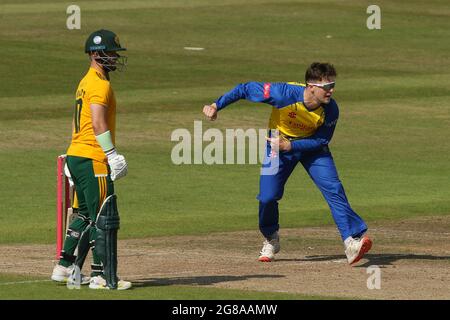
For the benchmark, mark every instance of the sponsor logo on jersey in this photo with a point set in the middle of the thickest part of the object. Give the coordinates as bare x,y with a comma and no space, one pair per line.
266,90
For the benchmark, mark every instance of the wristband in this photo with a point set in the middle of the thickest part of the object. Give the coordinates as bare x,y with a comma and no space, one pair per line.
105,141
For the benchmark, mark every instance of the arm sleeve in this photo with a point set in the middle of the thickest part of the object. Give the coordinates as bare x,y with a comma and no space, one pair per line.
100,93
323,135
275,94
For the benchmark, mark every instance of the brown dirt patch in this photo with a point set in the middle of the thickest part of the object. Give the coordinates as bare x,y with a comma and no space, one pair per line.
413,256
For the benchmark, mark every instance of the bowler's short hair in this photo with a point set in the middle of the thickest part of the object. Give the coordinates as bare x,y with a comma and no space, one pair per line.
318,71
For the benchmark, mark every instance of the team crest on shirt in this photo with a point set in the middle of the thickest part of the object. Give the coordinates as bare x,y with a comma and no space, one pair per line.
292,114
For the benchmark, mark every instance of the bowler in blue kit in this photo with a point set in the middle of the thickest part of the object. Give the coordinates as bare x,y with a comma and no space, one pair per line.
304,116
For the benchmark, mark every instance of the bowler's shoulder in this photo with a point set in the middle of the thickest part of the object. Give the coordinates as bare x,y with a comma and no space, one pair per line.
294,90
296,86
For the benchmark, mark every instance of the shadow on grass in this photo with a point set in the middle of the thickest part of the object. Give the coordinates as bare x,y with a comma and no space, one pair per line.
200,280
381,260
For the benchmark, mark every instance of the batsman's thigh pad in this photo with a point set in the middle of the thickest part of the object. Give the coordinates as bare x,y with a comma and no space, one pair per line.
107,224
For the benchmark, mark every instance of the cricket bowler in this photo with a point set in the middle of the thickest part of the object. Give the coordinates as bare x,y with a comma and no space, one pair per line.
305,116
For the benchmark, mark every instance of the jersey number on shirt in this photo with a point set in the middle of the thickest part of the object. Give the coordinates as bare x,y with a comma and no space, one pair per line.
77,115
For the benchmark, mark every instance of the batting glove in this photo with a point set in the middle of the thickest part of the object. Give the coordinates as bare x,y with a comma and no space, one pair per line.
118,165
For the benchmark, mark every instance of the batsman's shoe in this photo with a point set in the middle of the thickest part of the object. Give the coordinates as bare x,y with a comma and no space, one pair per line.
269,249
357,249
99,283
62,274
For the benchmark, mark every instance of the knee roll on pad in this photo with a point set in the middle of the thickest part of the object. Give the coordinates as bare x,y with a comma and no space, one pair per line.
107,225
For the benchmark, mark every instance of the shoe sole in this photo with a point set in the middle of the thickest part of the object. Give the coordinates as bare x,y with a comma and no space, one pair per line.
365,247
124,288
107,288
62,279
99,288
265,259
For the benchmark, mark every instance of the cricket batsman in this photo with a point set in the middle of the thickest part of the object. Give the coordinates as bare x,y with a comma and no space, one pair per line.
305,116
94,164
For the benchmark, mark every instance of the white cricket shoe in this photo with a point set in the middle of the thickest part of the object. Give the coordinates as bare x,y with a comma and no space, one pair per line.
269,249
62,274
99,283
357,248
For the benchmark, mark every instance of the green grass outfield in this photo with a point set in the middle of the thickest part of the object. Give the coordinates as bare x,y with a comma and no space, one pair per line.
391,145
13,287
